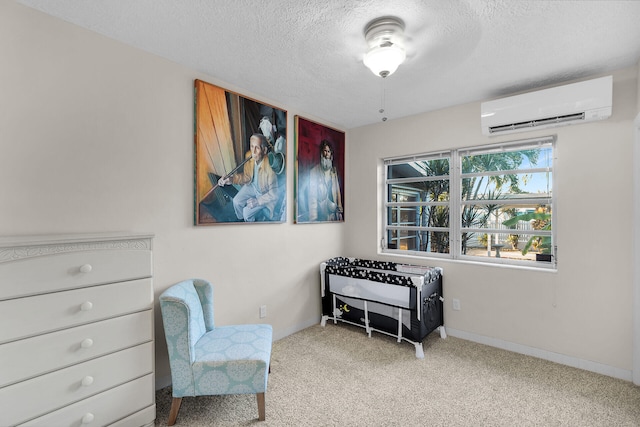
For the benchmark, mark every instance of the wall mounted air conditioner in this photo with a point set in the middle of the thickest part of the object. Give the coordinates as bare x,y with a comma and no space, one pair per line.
563,105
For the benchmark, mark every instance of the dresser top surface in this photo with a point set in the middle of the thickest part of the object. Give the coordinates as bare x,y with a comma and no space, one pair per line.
49,239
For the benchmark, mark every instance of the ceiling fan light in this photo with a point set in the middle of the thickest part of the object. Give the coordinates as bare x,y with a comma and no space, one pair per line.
385,37
384,60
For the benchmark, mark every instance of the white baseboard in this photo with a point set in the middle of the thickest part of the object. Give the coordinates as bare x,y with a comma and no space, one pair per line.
574,362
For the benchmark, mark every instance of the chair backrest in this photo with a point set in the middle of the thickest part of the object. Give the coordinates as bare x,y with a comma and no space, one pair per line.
187,314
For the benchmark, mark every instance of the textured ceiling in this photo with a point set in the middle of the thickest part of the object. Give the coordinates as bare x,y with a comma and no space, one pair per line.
307,54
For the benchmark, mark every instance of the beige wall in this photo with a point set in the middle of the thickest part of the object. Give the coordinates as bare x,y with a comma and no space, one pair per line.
98,136
636,237
638,89
583,310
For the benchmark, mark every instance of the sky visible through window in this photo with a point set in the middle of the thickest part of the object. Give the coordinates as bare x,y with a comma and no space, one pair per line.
539,182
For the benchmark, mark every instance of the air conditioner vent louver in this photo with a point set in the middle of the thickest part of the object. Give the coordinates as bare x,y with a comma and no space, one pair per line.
537,123
563,105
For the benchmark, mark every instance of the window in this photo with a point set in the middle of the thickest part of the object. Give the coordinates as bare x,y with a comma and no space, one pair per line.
491,204
418,204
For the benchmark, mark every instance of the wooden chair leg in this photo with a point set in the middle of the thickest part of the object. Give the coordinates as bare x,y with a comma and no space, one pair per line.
175,408
260,398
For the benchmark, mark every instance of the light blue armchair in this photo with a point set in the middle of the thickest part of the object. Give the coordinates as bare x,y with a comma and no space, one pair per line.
210,360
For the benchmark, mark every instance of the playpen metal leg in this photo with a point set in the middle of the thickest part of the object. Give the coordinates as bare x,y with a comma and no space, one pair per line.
443,333
399,324
333,310
323,321
419,350
366,319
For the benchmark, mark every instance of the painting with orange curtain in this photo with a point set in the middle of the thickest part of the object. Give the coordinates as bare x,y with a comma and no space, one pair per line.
240,158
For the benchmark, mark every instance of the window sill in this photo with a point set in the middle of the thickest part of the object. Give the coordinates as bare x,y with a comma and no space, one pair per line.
540,266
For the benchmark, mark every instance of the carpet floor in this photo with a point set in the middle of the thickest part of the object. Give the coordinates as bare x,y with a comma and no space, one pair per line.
337,376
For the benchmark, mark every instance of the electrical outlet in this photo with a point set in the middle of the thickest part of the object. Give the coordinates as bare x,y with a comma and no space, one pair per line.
456,304
263,311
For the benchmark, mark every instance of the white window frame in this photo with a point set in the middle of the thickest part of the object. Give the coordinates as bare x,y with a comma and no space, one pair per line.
387,204
455,203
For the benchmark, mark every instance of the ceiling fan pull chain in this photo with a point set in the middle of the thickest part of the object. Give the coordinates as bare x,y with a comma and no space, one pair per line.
383,96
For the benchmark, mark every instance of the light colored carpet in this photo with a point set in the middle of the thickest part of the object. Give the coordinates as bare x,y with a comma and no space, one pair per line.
337,376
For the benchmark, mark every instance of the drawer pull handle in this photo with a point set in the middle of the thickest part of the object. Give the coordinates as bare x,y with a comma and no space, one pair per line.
88,417
87,343
86,268
86,306
87,381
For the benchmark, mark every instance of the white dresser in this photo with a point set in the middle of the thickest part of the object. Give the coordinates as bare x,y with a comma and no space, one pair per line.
76,331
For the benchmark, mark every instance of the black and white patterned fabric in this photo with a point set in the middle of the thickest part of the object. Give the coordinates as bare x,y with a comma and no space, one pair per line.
338,261
375,270
378,265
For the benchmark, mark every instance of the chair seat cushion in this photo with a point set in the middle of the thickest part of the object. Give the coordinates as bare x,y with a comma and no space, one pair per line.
233,360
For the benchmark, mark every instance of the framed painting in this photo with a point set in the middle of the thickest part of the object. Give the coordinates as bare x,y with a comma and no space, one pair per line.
240,158
319,173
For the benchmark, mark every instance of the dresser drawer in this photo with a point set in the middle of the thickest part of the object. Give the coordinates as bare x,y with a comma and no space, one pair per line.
38,274
135,397
146,418
49,312
37,396
25,358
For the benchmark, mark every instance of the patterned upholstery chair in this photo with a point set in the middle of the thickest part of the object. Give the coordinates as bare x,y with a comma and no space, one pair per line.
211,360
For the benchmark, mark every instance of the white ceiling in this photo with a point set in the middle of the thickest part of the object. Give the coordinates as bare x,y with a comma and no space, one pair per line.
307,54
